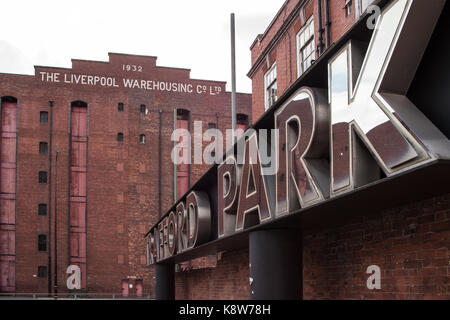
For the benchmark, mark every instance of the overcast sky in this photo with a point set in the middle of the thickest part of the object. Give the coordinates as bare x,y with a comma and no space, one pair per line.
193,34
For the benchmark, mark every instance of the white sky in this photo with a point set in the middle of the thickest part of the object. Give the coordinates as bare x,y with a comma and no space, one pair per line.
192,34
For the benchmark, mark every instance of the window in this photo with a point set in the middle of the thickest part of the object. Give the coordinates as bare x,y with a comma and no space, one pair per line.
120,107
42,209
363,5
42,272
270,85
182,114
242,123
142,139
242,119
143,109
305,47
348,7
42,242
120,137
43,147
211,125
43,177
44,117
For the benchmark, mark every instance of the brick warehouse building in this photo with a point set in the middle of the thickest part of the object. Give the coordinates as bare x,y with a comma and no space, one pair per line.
399,223
91,145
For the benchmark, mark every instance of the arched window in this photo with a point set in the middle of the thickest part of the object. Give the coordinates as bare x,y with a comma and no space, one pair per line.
120,137
78,214
8,165
9,99
142,139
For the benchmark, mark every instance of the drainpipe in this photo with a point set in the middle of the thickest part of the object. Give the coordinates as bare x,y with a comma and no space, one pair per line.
174,165
327,22
49,210
320,44
56,226
160,164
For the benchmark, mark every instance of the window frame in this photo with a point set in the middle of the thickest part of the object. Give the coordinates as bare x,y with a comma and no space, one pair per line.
269,84
311,40
42,205
142,141
43,148
348,8
40,275
143,109
42,243
359,11
46,177
41,113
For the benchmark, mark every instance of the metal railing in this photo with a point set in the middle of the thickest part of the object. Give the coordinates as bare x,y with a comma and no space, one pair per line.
72,296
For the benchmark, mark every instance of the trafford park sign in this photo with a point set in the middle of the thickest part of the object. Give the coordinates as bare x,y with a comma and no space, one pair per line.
358,129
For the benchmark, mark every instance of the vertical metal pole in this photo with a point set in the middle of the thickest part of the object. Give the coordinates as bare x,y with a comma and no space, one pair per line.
56,225
233,81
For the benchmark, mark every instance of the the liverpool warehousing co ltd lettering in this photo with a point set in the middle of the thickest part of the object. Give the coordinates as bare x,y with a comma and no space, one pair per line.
128,83
330,141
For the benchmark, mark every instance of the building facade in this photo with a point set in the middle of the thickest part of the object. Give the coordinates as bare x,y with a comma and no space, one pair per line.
299,34
403,230
86,169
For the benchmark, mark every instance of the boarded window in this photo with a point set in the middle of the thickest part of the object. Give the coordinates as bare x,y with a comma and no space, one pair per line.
44,117
43,177
42,242
42,272
43,147
42,211
183,143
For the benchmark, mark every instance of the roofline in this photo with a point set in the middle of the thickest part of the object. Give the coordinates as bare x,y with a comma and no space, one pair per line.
135,55
261,36
17,74
177,68
49,67
87,60
278,35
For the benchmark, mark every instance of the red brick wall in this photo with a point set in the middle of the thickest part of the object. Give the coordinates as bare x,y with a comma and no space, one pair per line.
409,243
123,178
229,280
285,51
